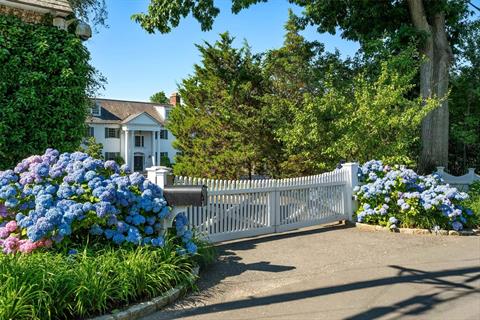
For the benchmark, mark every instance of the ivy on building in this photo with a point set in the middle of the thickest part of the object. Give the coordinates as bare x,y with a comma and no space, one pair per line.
45,81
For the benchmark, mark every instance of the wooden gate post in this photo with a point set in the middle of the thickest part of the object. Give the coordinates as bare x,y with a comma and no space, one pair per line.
273,207
352,182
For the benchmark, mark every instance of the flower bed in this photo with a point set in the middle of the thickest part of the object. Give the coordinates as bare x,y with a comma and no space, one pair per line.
80,237
58,199
397,197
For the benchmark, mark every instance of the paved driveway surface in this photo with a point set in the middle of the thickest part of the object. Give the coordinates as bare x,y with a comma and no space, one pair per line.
339,272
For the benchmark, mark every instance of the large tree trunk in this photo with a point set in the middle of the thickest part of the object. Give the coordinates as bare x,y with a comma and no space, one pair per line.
434,74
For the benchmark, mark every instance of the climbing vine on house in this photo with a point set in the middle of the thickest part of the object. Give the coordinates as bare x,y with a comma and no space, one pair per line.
45,80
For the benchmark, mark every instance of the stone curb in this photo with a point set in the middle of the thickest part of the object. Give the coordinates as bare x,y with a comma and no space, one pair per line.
369,227
144,309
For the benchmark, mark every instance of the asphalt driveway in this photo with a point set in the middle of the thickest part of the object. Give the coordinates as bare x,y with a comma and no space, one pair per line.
338,272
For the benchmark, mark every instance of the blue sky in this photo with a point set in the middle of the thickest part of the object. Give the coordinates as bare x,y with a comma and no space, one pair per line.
137,64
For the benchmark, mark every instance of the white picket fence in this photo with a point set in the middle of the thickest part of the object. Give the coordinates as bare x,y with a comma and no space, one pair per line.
244,208
460,182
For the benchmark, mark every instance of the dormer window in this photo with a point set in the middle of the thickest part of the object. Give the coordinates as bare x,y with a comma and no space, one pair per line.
167,113
95,110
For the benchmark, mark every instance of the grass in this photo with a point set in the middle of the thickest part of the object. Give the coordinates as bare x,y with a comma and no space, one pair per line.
49,285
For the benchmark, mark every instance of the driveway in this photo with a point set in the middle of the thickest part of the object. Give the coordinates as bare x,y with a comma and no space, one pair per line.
338,272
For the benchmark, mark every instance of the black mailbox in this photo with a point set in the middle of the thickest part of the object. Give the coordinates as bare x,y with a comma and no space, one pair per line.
186,195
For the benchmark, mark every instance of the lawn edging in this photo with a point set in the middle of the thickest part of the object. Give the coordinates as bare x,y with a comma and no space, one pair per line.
370,227
146,308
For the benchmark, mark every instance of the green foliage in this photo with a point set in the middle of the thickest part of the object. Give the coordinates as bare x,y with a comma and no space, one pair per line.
297,111
294,74
380,120
165,161
218,128
48,285
159,97
464,105
163,15
119,160
358,20
351,110
474,201
384,23
44,83
93,148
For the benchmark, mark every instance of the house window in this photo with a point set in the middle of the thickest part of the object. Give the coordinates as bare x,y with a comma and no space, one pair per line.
112,133
139,141
95,110
164,134
167,114
156,135
112,155
163,155
90,132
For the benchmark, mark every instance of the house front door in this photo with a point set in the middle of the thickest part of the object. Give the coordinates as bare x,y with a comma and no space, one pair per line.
138,163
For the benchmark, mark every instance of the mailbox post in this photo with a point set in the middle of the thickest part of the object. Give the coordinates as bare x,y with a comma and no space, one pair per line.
178,197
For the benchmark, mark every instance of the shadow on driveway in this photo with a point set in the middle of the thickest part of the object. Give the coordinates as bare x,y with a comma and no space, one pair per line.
420,303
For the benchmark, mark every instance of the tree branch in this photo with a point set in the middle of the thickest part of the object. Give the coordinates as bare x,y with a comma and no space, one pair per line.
470,3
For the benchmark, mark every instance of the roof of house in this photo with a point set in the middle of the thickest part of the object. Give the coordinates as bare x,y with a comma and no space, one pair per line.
121,111
55,5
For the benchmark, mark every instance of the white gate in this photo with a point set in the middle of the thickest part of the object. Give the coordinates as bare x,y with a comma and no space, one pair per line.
244,208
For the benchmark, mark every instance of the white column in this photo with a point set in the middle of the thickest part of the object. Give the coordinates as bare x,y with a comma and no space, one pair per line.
154,149
158,147
127,146
132,149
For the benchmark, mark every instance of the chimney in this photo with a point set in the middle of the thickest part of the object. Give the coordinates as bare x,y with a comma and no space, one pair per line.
175,99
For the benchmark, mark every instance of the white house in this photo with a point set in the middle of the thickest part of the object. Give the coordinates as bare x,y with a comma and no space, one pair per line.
134,131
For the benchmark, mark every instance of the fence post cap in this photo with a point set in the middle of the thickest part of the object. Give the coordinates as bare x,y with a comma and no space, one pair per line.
152,169
440,169
349,164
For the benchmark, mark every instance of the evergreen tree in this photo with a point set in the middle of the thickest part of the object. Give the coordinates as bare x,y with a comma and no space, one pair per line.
218,128
159,97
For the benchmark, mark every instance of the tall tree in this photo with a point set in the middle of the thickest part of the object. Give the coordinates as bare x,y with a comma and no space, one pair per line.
434,24
295,72
218,127
159,97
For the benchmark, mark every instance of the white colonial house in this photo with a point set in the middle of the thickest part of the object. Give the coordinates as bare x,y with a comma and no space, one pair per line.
134,131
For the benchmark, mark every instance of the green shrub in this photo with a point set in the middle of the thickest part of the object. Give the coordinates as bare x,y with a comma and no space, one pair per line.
474,201
45,80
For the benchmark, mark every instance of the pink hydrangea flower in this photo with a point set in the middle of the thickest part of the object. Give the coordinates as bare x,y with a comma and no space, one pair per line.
27,246
10,245
4,233
11,226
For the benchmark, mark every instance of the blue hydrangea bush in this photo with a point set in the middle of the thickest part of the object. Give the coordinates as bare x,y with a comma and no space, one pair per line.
399,197
60,199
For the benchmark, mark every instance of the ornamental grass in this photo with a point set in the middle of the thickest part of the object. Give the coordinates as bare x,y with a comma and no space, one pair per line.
87,282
